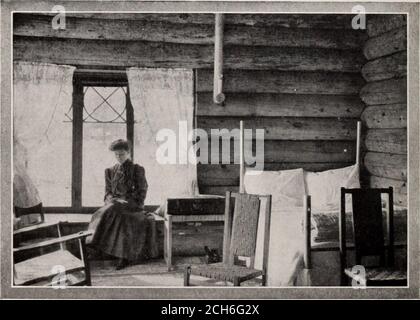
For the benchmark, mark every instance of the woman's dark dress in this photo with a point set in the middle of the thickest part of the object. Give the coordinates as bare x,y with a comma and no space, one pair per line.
124,230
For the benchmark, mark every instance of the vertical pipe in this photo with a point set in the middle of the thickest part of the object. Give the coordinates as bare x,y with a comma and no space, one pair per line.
241,157
359,134
218,96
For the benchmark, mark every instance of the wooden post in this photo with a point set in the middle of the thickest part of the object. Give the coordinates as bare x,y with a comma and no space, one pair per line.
390,227
227,228
241,157
267,225
307,231
342,237
359,134
130,122
77,171
218,96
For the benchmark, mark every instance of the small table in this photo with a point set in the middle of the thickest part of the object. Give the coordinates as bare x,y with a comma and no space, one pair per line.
194,209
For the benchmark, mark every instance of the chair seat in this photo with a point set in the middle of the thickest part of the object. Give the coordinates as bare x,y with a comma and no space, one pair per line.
380,275
225,272
41,267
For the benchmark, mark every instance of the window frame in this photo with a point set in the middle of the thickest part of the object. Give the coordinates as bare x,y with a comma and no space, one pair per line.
81,79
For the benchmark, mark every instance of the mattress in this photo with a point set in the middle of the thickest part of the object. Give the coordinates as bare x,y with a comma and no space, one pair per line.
325,226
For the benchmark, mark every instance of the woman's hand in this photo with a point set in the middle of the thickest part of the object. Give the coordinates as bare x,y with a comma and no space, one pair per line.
108,199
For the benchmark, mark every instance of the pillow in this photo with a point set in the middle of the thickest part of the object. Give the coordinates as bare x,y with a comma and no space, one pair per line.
324,187
286,186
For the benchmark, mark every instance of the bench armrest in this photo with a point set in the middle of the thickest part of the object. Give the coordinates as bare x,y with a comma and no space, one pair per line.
79,235
35,227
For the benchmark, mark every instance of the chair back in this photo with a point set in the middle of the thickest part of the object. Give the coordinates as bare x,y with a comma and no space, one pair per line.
368,224
29,216
242,213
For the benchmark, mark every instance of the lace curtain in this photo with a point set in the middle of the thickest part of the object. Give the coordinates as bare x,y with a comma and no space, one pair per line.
163,104
42,94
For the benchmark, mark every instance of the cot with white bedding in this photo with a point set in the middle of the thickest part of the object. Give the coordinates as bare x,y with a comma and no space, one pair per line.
299,243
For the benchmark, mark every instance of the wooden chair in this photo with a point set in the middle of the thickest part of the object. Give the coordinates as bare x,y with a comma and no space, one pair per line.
57,265
369,238
240,237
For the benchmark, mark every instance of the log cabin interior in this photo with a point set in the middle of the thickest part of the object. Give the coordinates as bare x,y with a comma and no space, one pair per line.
306,80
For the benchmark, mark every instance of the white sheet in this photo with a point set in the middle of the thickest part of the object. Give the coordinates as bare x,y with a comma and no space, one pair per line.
325,187
285,258
286,187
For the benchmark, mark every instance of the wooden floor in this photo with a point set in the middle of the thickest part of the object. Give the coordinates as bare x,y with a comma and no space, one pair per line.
151,274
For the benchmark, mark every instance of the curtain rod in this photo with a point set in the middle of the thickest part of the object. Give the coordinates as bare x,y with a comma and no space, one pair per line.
100,71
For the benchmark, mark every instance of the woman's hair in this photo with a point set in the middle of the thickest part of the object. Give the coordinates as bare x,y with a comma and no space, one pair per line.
120,144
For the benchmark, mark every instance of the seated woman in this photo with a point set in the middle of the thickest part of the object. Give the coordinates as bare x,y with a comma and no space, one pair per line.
120,226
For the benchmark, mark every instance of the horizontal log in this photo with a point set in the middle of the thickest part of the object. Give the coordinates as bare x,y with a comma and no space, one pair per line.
272,81
388,116
218,175
385,92
316,21
160,54
386,165
288,128
228,175
393,66
159,31
279,151
217,190
280,105
400,188
386,44
377,24
387,140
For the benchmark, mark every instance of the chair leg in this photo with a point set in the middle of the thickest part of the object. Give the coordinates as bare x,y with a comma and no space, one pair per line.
82,243
187,273
343,280
264,280
236,282
168,242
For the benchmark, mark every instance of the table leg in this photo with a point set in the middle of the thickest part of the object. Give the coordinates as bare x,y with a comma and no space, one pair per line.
168,241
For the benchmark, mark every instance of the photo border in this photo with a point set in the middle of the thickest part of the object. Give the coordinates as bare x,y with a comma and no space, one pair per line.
413,138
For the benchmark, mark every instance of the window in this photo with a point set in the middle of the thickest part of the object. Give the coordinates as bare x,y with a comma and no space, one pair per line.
101,113
104,120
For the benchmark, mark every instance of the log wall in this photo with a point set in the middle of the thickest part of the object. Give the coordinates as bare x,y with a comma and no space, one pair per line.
296,76
385,96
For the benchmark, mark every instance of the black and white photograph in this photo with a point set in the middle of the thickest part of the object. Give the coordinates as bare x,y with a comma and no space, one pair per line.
218,150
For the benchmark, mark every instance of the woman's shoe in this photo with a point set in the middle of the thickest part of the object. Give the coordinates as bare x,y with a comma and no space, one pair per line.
122,263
